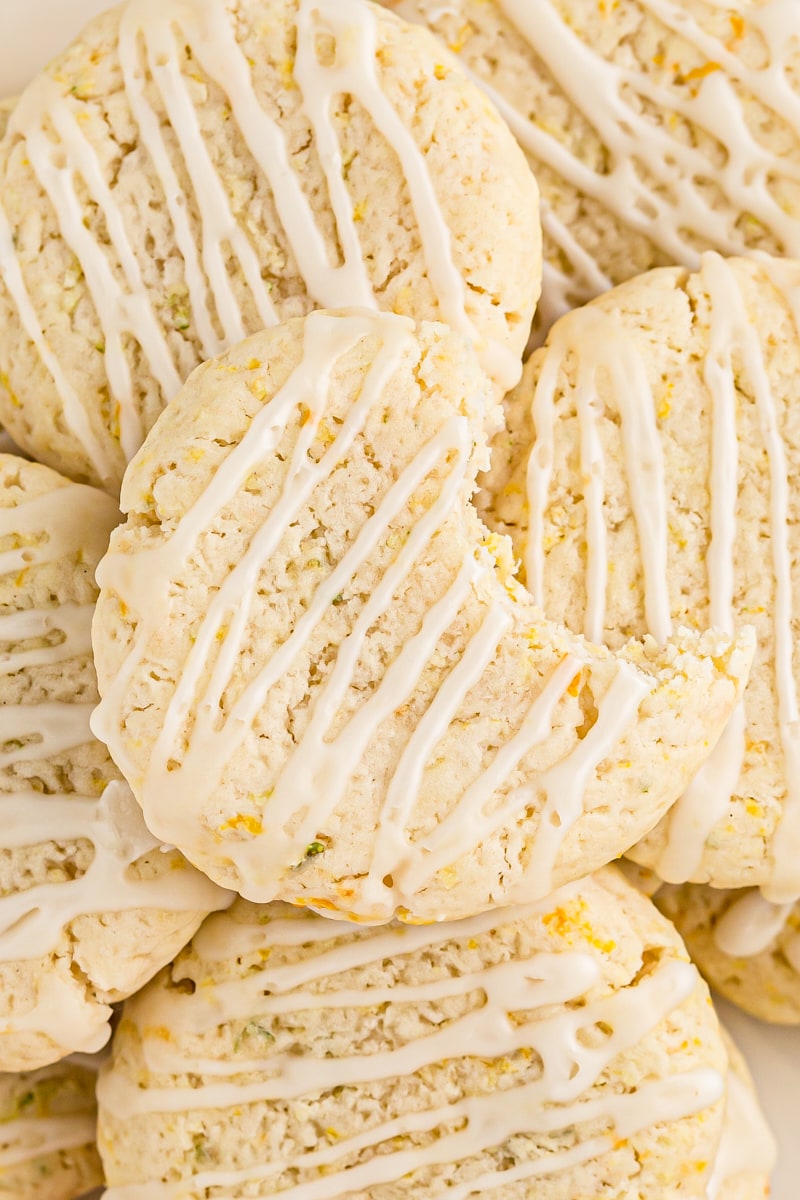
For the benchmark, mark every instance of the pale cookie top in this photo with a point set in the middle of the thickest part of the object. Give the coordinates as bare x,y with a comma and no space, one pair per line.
560,1049
48,1130
748,948
187,173
318,672
656,128
647,481
90,905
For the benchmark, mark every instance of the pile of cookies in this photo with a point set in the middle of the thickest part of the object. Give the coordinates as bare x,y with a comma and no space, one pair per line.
343,654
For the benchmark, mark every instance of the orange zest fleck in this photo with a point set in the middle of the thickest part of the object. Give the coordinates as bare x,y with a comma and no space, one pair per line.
245,823
737,25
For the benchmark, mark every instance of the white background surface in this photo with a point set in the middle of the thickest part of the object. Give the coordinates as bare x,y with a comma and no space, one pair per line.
30,32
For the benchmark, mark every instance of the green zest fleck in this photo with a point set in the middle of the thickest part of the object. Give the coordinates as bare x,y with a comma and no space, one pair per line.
251,1030
200,1148
337,600
314,848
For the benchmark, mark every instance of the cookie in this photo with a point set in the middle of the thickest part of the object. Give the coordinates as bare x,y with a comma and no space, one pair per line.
747,1148
648,481
285,1051
318,672
6,109
656,128
48,1131
91,905
186,174
747,948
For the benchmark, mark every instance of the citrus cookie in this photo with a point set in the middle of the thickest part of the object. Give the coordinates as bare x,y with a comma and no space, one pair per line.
566,1048
747,1149
747,948
656,128
90,904
6,109
318,672
648,480
187,173
48,1131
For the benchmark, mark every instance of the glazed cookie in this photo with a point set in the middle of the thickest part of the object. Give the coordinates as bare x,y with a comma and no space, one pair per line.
747,1149
187,173
747,948
91,905
6,109
48,1131
646,482
330,1060
656,128
318,672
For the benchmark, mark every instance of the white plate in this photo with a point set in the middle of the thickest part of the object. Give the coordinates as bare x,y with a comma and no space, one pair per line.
30,32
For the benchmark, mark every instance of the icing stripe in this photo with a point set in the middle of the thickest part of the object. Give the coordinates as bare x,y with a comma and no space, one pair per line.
651,175
154,36
556,992
595,342
201,733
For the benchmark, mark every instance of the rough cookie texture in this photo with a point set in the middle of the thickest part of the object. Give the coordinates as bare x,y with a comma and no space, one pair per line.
319,674
648,479
187,173
284,1051
91,906
48,1130
656,128
747,948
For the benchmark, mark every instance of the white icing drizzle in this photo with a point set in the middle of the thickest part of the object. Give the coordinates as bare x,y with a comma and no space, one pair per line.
33,1137
750,925
604,347
747,1146
707,797
153,35
726,297
668,206
75,416
31,921
122,311
558,288
548,982
705,802
67,525
26,1138
596,340
73,521
198,739
74,621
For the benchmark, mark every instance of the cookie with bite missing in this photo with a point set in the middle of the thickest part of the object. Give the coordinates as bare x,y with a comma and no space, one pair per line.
48,1131
91,905
656,128
747,948
187,173
285,1051
647,481
317,670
